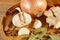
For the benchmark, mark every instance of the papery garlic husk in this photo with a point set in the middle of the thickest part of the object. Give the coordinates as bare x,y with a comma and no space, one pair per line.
57,25
51,21
48,13
53,16
56,11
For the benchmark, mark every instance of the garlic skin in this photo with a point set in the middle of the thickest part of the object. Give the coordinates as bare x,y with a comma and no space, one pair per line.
37,24
51,21
22,20
48,13
53,16
23,31
56,11
57,25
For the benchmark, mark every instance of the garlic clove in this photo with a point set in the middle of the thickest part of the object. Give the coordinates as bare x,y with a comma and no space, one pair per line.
56,13
16,21
28,18
48,13
37,24
53,17
57,25
51,21
21,19
23,31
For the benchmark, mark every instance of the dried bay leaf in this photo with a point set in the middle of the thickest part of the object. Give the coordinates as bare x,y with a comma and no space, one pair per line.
38,34
55,37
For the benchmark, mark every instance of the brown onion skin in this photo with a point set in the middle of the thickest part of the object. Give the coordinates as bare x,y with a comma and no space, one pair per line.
33,7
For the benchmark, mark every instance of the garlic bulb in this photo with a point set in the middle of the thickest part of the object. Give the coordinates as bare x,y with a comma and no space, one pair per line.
37,24
53,16
23,31
21,19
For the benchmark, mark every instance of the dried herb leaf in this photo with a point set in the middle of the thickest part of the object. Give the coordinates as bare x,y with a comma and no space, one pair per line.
55,37
36,35
26,38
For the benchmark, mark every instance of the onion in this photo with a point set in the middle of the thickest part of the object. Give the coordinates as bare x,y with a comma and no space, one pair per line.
33,7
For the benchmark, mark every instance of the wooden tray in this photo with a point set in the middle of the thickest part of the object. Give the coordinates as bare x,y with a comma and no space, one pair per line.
6,5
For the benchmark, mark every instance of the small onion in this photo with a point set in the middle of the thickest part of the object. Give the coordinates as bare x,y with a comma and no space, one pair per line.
33,7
